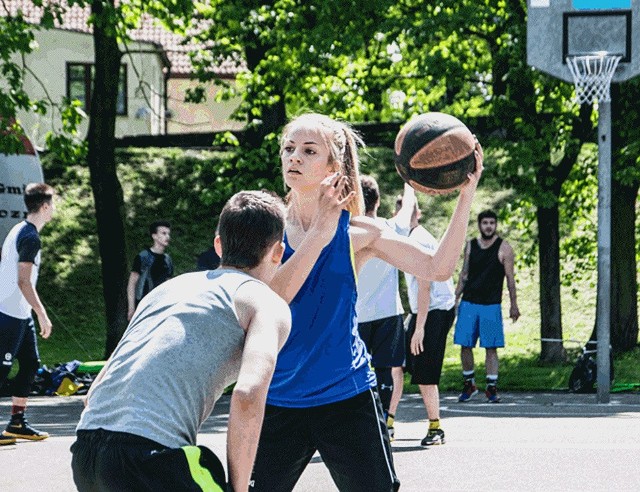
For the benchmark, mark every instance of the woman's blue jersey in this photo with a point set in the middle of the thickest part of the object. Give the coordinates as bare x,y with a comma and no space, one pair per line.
324,359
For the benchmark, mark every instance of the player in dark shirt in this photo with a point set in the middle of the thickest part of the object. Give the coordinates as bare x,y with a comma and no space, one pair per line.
151,266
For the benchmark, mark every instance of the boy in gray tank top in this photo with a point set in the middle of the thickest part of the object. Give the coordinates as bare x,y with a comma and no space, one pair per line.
189,339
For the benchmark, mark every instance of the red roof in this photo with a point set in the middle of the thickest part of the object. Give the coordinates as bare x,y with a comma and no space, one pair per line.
150,30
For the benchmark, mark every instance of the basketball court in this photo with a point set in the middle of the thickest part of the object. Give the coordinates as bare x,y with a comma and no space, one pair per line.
551,441
530,441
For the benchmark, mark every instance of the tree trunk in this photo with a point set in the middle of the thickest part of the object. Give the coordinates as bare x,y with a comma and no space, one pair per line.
624,287
272,117
107,192
550,310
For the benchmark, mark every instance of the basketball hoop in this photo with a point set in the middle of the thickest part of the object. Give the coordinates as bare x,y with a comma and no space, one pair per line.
592,76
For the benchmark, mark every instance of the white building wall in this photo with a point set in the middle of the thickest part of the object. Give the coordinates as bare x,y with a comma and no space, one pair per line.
49,61
208,116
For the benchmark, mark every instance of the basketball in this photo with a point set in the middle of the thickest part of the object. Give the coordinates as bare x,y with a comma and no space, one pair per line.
434,153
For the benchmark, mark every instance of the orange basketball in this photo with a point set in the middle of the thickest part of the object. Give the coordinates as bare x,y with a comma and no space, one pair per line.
434,153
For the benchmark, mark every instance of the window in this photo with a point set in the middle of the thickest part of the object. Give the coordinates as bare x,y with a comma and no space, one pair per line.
79,83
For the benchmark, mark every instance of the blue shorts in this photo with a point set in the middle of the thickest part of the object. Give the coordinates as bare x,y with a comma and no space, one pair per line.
479,320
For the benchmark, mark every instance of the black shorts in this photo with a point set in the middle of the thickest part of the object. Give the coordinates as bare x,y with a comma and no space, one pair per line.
384,339
105,460
18,342
351,436
426,367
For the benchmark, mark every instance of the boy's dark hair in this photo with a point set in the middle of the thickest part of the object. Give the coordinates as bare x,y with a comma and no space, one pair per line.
251,222
370,192
487,214
153,228
36,195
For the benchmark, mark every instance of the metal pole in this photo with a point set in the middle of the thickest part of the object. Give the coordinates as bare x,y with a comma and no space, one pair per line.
604,250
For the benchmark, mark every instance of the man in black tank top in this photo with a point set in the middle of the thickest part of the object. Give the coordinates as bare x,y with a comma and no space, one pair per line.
487,261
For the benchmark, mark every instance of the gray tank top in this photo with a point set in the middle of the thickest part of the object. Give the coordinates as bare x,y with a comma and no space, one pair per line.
181,350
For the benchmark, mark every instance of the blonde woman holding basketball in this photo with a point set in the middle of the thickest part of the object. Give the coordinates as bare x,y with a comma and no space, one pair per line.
322,396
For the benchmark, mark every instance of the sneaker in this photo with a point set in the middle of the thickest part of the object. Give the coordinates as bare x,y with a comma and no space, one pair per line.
433,438
492,394
4,440
391,429
20,428
468,391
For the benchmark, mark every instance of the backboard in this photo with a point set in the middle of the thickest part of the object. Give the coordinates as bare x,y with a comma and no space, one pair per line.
557,29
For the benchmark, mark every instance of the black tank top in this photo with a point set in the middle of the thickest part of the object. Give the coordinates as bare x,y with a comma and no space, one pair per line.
486,275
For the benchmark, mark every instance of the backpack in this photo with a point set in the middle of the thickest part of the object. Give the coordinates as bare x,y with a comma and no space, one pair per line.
62,380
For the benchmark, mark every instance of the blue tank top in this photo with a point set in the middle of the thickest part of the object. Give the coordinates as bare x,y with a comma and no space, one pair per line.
324,359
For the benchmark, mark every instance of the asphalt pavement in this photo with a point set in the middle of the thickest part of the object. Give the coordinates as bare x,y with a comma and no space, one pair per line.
528,442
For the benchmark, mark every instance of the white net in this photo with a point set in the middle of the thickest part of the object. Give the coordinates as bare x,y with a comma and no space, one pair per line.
592,76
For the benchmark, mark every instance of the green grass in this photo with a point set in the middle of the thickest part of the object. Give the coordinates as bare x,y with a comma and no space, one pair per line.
171,184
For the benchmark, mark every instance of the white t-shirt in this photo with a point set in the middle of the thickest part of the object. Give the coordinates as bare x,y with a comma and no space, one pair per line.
22,245
378,292
442,293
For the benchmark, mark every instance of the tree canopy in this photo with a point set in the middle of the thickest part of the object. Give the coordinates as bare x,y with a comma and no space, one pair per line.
364,60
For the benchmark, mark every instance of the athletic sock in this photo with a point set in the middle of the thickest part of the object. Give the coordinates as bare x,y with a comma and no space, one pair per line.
390,419
16,409
492,380
469,376
434,424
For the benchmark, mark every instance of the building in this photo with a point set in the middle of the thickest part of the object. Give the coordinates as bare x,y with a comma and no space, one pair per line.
154,76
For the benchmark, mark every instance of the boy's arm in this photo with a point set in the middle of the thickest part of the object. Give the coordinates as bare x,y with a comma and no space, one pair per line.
267,330
131,294
31,295
508,261
403,217
424,299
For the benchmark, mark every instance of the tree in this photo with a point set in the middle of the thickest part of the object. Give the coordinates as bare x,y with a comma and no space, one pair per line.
289,47
107,192
475,53
625,184
111,22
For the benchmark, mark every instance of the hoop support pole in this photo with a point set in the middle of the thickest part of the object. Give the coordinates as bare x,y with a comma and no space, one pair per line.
603,315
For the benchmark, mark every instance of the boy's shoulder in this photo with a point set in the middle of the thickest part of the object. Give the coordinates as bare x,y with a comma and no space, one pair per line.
259,295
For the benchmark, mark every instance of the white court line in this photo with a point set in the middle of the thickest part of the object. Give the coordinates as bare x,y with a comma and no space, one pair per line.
525,413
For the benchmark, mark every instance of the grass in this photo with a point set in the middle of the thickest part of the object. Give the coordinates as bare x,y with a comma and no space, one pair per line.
169,184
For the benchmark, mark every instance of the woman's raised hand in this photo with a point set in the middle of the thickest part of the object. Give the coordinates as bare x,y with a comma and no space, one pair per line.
474,177
330,206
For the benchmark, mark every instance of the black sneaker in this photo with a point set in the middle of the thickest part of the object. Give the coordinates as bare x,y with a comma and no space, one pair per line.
434,437
20,428
4,440
492,394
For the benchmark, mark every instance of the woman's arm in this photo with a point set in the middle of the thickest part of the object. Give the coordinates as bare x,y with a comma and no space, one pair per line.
291,275
407,255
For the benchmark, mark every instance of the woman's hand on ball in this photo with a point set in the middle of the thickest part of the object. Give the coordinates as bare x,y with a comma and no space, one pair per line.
474,177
